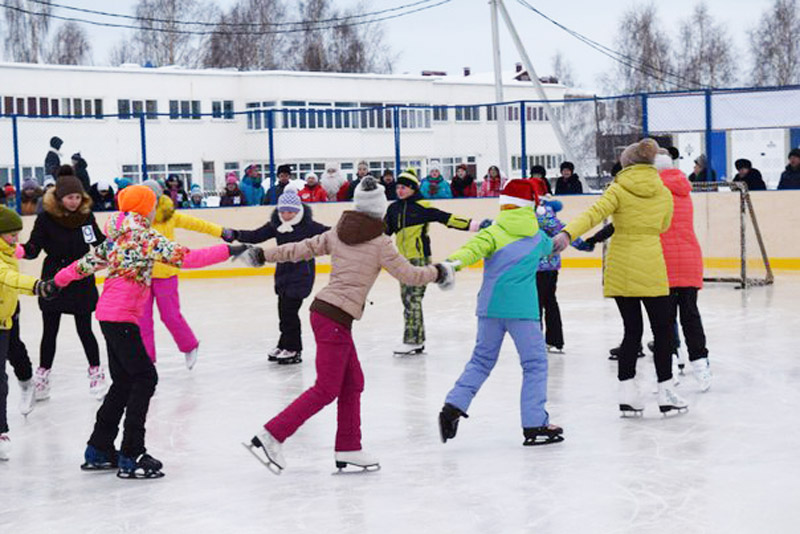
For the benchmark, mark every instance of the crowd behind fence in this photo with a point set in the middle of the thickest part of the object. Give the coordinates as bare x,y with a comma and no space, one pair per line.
760,125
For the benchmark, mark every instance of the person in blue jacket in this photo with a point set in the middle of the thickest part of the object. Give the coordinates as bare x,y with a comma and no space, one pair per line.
434,185
292,221
251,186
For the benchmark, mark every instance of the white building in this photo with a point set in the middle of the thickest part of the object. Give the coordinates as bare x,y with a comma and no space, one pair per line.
203,123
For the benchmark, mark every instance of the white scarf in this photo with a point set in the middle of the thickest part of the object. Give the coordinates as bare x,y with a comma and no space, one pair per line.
288,226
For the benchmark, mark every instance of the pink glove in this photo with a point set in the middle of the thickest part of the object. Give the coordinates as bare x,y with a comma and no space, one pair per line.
19,251
66,276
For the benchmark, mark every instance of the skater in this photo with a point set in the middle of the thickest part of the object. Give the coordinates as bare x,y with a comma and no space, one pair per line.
641,208
512,248
164,286
291,221
11,284
52,161
65,231
129,252
408,217
358,250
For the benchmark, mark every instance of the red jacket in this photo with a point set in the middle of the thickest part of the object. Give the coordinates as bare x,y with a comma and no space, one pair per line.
315,194
681,250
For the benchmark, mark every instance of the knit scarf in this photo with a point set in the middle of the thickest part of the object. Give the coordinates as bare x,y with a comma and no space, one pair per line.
288,226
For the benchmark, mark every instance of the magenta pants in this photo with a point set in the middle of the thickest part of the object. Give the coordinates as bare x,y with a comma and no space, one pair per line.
165,293
339,377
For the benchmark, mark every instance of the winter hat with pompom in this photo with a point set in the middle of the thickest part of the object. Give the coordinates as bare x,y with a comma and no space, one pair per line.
643,152
231,178
290,201
370,198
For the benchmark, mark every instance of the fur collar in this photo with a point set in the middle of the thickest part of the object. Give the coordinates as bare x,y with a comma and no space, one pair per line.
54,208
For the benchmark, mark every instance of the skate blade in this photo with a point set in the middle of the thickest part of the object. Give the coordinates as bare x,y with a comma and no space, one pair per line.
626,410
415,352
140,476
342,469
269,464
289,361
666,411
93,468
545,441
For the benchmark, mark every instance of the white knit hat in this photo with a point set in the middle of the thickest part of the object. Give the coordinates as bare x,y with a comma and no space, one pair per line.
370,198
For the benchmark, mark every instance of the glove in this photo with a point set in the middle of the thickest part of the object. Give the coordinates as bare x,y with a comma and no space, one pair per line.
46,289
237,250
486,223
560,242
447,274
582,245
19,251
229,235
252,256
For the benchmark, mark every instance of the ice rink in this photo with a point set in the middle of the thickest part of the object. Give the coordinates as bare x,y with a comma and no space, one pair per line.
729,465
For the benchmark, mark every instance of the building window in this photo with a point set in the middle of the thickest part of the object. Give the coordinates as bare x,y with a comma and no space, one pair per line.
9,105
138,108
44,107
151,109
132,173
31,106
303,168
183,171
157,172
468,113
124,109
54,107
196,113
77,107
98,108
20,106
185,107
222,109
174,112
227,109
440,113
66,107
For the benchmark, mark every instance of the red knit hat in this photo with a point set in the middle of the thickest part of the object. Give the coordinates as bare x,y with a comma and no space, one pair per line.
518,193
138,199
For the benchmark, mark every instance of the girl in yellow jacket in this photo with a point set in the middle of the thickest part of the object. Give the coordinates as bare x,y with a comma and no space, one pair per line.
641,208
11,284
165,280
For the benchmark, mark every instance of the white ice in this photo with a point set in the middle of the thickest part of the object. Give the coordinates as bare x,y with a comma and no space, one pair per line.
731,464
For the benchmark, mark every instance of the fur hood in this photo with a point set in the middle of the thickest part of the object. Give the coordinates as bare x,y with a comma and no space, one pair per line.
355,228
53,207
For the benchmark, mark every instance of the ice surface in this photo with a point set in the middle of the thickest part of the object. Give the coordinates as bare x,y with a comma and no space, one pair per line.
730,465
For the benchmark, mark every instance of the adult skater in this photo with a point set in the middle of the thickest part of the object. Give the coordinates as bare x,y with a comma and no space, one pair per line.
409,217
65,231
129,253
359,249
12,283
164,287
635,274
290,222
511,248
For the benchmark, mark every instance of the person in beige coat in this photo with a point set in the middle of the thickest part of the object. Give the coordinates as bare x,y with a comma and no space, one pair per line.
359,249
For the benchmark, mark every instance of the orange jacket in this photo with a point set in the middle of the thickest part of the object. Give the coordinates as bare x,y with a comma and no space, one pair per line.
681,249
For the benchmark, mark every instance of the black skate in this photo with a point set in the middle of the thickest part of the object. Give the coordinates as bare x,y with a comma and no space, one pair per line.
97,460
448,421
145,466
543,435
409,349
614,353
287,357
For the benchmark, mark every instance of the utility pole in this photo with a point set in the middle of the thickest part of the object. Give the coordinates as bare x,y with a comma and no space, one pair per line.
498,91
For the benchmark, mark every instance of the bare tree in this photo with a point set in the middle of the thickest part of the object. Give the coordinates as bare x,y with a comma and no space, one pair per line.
562,69
161,40
774,46
123,52
27,24
245,38
705,56
70,46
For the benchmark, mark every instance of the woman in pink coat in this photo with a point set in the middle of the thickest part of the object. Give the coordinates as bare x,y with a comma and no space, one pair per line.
684,261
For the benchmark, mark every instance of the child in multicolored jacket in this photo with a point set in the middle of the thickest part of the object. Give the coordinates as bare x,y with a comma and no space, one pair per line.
511,248
129,253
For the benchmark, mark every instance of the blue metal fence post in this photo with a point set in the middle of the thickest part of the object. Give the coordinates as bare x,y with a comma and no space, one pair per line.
523,137
645,117
16,163
396,124
709,141
271,142
143,134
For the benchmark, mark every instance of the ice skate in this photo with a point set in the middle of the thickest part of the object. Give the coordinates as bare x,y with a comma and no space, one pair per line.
555,350
97,460
41,384
448,421
630,399
5,447
145,466
702,373
669,400
287,357
191,358
272,356
409,349
542,435
26,394
98,387
269,448
363,461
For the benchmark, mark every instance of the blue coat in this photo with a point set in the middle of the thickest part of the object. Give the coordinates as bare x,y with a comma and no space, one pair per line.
252,191
292,280
435,188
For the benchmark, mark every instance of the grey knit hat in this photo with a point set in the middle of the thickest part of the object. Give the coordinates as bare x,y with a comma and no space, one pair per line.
370,198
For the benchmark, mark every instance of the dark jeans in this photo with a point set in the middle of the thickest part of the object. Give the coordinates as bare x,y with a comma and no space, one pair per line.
18,353
83,324
684,299
289,317
134,382
546,285
4,336
661,323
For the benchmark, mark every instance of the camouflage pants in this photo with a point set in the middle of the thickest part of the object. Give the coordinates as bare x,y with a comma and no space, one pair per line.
414,332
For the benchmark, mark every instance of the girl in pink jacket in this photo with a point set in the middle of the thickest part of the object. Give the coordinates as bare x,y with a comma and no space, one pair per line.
129,253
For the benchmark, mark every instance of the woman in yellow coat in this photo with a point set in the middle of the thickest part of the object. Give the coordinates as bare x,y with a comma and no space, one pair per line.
165,280
635,273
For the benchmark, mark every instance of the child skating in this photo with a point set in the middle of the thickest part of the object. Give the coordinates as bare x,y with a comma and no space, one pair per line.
511,248
291,222
131,249
358,250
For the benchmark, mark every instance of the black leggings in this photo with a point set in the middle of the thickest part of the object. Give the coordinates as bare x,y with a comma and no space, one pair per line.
17,352
291,330
83,324
659,311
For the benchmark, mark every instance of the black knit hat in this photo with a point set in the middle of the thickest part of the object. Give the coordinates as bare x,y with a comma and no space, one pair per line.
743,164
538,169
56,142
409,178
568,165
10,221
284,169
674,153
795,152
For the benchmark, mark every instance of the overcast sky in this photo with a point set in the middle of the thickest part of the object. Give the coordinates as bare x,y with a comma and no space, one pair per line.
458,34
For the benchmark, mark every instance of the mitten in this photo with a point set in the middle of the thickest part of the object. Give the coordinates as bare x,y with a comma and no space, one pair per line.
560,242
229,235
486,223
19,251
582,245
46,289
446,279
